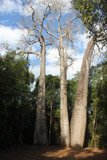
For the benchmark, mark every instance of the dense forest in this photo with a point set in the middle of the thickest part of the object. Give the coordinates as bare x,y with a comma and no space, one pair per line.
70,113
18,103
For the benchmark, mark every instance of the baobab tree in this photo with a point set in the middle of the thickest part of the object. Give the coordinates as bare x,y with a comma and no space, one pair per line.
93,15
33,23
78,121
62,33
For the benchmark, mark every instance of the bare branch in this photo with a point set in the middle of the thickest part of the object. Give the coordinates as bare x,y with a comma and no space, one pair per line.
33,14
71,61
68,29
58,19
52,34
45,16
33,42
30,28
73,19
29,52
48,44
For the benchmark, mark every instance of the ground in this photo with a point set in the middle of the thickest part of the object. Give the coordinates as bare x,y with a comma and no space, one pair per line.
51,153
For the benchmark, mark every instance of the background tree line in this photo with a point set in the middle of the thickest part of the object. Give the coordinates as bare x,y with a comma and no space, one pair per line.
18,109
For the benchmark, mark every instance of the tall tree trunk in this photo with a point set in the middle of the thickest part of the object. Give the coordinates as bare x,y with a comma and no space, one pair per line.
21,130
64,122
50,128
93,142
79,116
40,130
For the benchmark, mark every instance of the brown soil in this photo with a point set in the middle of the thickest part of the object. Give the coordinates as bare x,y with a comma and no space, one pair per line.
51,153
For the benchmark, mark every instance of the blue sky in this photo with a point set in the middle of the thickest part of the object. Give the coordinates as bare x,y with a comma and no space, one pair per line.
10,12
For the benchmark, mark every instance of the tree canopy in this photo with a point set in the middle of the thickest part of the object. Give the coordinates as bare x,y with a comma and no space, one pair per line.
94,16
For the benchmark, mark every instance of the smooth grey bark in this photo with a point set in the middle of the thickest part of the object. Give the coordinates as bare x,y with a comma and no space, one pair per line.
34,24
63,34
79,116
40,130
64,122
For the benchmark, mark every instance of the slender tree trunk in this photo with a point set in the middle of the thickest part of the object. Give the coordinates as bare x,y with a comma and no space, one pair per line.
79,116
50,129
40,130
93,142
64,122
21,130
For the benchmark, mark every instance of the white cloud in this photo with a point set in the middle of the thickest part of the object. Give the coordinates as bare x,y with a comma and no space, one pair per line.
9,6
16,6
81,41
52,55
53,69
9,35
75,67
35,70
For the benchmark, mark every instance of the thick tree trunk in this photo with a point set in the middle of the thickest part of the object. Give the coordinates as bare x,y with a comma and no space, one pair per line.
40,130
64,122
79,116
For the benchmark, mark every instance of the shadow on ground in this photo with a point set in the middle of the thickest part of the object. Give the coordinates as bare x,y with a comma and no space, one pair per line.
51,153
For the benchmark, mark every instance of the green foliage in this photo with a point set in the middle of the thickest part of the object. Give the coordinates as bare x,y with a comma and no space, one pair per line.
71,92
98,109
93,14
52,89
14,98
53,100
